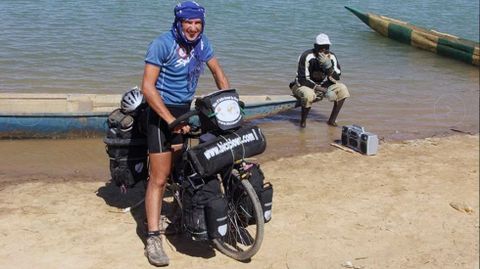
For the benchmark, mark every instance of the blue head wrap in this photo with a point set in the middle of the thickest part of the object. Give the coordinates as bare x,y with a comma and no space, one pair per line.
188,10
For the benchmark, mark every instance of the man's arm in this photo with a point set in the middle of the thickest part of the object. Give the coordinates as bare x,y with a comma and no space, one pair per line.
150,75
336,67
218,74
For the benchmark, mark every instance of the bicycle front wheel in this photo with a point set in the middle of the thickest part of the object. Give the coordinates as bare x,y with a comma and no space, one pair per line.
245,230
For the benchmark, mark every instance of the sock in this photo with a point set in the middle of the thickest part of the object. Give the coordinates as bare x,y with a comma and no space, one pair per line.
153,233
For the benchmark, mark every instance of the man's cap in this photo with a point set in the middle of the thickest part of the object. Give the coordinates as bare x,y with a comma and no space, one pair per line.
322,39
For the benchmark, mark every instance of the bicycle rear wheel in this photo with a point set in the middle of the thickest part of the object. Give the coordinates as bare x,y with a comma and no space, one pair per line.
244,233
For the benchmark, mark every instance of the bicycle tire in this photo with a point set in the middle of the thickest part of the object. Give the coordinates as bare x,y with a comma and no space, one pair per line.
229,244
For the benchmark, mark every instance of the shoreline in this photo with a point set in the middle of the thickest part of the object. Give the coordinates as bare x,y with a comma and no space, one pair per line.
84,159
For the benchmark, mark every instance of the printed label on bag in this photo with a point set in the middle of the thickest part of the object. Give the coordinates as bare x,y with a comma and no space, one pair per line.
227,110
231,143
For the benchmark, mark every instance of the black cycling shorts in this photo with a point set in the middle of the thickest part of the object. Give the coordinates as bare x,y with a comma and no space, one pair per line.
159,138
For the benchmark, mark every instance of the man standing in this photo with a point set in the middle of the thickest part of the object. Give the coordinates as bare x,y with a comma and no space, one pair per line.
173,64
317,77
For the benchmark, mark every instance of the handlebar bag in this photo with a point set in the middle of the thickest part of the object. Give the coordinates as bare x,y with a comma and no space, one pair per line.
210,157
219,110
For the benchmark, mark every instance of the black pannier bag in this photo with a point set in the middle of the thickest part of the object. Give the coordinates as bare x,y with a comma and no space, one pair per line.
219,111
204,208
194,209
264,191
216,209
126,147
210,157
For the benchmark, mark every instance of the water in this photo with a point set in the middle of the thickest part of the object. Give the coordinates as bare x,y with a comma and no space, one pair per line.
398,91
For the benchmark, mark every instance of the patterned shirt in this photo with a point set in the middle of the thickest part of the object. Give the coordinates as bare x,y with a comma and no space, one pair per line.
310,72
173,60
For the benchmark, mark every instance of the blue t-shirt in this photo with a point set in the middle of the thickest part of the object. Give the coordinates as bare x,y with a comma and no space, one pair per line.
172,82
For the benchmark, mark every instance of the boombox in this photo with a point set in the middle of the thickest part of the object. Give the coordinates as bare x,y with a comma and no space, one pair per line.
355,137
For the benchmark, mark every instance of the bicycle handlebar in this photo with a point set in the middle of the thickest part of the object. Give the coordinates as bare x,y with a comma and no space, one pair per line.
182,119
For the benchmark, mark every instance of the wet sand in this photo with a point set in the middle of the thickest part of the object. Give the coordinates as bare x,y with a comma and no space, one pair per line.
331,209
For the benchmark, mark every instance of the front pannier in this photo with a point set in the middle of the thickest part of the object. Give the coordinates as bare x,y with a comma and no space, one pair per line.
204,208
264,191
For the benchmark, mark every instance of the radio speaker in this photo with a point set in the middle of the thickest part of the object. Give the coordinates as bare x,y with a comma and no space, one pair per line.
368,144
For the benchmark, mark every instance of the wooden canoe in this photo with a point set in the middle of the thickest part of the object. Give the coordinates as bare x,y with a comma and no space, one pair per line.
431,40
51,115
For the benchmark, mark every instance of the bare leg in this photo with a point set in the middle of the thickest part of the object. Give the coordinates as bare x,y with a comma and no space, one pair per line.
304,115
337,106
160,167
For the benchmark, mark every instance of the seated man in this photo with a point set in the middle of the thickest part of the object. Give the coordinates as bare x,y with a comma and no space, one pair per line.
317,77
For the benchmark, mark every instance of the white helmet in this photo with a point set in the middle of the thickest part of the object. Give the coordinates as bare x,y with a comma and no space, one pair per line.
131,100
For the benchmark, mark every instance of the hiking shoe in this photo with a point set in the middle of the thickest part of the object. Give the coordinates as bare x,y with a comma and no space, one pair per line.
154,251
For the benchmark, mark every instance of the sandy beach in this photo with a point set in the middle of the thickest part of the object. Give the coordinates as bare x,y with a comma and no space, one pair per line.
414,205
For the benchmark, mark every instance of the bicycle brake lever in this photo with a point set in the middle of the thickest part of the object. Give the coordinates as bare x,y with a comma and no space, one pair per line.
195,132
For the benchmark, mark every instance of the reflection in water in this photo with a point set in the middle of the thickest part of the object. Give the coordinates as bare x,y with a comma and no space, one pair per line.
285,138
450,108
